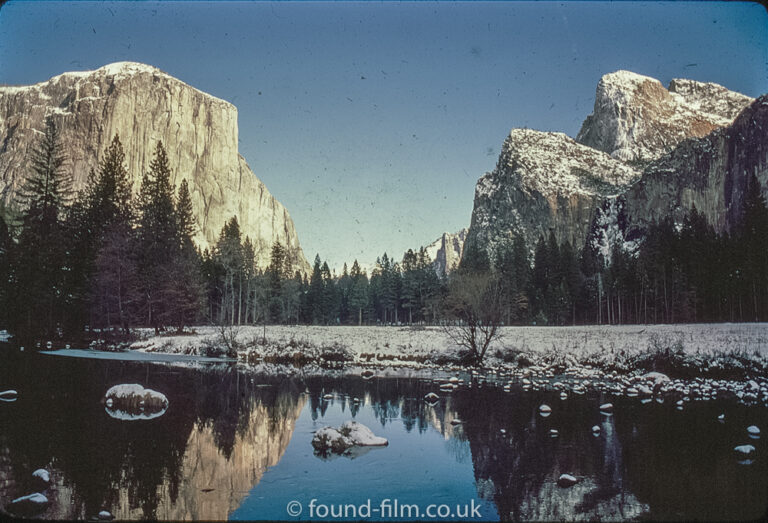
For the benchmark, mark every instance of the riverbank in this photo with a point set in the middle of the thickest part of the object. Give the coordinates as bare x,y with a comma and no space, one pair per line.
722,350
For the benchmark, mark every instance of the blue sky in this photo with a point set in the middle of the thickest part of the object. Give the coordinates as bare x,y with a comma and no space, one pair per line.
371,122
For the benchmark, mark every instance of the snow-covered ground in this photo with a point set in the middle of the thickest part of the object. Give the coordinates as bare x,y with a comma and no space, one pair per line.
416,342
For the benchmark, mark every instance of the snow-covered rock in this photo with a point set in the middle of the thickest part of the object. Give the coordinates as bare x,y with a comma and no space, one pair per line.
105,516
744,450
544,181
635,119
753,431
446,251
545,410
606,408
29,506
566,480
9,395
131,401
350,434
431,398
42,475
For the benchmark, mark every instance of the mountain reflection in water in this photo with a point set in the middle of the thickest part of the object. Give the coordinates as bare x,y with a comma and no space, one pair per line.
234,443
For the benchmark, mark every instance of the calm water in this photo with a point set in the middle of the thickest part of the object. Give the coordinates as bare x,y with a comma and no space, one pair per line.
236,445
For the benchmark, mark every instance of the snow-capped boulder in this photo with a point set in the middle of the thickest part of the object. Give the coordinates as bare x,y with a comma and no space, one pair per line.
350,434
596,430
431,398
8,395
545,410
41,479
105,516
606,408
744,450
131,401
29,506
753,431
566,480
42,475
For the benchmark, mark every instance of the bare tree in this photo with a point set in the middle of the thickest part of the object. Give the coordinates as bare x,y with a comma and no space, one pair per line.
473,309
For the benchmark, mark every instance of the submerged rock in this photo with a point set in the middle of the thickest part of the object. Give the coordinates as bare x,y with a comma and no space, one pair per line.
341,440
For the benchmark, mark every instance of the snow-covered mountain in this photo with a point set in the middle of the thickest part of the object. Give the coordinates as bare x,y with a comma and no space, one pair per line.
657,150
544,182
445,252
143,105
637,120
710,173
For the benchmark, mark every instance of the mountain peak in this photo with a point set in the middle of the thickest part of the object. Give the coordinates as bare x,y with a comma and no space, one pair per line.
637,120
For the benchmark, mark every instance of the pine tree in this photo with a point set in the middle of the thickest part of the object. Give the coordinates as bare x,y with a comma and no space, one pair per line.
315,295
158,237
39,264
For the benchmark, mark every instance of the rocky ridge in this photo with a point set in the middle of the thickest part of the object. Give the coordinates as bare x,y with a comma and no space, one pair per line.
636,120
142,105
544,181
445,252
657,150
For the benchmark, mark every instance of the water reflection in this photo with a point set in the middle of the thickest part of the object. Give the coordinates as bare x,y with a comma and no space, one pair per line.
220,433
234,444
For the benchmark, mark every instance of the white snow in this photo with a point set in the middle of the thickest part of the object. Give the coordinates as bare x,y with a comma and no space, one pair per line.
5,336
6,394
746,450
566,480
35,498
553,163
350,434
123,415
43,475
753,430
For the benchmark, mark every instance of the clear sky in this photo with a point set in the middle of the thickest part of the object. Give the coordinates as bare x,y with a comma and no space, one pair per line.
371,122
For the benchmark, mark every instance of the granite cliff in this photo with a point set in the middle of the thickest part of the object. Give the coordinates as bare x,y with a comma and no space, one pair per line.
648,150
142,105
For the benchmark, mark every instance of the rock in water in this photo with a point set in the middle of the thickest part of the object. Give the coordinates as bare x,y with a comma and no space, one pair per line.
329,439
606,408
105,516
41,479
142,105
9,395
29,506
744,450
566,480
350,434
431,398
131,401
545,410
753,431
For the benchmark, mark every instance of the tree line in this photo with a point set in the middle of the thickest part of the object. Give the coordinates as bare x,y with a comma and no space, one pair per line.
106,258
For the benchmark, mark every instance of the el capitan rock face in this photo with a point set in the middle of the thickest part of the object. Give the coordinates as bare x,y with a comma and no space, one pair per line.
143,105
636,120
660,150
